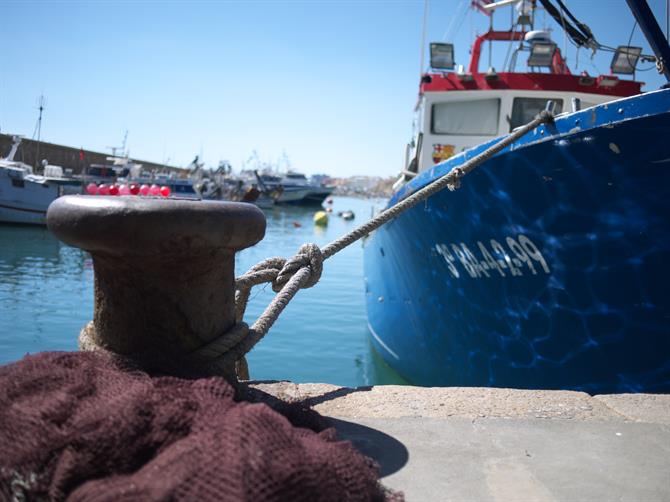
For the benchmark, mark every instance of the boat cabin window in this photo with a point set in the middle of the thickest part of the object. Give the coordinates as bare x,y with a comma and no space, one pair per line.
468,118
183,189
525,109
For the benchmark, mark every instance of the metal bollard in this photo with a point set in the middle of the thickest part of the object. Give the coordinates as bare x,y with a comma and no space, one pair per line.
164,270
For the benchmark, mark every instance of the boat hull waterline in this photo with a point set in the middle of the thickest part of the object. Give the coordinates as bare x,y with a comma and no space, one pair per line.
546,269
24,200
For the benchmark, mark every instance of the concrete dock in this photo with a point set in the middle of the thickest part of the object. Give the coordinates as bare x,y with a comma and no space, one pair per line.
484,444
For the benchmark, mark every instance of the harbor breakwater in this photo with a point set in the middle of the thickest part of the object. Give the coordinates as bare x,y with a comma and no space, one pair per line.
76,159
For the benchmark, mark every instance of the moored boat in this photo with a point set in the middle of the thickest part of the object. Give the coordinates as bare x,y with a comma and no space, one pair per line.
25,196
295,188
316,192
546,269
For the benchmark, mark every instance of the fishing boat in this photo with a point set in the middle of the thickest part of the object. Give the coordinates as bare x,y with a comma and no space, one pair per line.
316,192
293,187
547,268
25,196
287,192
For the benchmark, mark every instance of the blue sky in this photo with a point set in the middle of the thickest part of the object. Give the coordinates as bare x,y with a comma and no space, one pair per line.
331,83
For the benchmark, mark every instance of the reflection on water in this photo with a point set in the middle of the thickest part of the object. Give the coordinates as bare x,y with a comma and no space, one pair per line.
46,296
46,292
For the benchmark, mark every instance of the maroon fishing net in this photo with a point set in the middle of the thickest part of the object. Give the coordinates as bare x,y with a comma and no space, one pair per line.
82,426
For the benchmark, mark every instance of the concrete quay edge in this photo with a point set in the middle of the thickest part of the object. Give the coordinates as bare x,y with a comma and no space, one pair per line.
395,401
501,445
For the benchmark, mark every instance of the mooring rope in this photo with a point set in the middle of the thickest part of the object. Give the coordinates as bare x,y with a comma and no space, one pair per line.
304,269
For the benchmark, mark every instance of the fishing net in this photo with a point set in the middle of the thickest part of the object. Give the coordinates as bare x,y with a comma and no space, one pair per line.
85,426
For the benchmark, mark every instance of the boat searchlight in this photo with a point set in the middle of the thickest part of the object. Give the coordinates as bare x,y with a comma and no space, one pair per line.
625,60
442,56
541,54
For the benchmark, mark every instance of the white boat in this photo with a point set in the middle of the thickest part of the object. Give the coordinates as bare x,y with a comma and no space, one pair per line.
297,189
272,183
317,192
25,196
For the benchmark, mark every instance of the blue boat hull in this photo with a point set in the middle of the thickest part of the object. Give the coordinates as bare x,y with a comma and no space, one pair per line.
549,268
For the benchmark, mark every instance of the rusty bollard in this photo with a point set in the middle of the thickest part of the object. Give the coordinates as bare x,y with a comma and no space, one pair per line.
164,270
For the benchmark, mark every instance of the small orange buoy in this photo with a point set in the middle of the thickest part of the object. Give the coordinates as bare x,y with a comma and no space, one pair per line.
297,224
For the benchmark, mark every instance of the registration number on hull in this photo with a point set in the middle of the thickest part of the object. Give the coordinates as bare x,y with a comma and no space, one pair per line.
518,256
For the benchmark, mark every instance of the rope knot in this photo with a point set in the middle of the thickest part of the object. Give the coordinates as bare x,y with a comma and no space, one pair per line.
455,183
309,255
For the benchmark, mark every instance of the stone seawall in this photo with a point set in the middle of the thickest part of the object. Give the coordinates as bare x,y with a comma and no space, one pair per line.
65,156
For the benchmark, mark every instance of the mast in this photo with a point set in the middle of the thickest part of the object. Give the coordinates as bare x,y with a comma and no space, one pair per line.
124,152
115,149
40,103
423,37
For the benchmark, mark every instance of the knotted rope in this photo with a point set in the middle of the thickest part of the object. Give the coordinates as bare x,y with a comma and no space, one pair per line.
305,268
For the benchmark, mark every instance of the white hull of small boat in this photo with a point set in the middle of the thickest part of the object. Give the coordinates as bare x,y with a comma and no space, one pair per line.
24,196
293,194
23,200
24,216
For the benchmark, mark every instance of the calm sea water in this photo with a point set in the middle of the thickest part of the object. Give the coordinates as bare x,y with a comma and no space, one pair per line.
46,296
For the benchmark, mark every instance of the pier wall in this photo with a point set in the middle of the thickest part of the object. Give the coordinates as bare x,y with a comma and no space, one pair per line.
65,156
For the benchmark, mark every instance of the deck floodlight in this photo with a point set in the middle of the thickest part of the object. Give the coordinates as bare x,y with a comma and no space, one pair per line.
607,81
442,56
625,59
541,54
586,79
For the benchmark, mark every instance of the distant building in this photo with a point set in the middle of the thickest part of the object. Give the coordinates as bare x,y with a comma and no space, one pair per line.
321,178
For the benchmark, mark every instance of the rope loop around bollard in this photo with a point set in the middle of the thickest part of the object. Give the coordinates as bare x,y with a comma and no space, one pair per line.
305,268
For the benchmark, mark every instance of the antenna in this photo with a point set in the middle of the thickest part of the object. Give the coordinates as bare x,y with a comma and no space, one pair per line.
114,149
423,36
125,140
41,101
284,163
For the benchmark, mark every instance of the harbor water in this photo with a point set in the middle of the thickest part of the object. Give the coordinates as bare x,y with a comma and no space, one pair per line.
46,296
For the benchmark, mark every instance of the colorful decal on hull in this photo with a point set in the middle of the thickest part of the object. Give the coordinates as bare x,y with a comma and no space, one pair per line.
442,152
